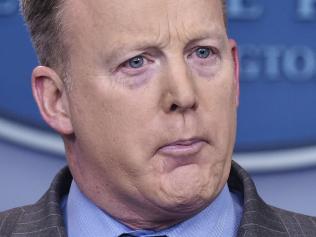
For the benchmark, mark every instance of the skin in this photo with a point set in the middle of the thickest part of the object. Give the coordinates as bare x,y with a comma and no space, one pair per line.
122,126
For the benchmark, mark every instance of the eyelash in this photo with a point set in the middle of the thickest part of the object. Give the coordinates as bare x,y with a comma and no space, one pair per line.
125,64
212,50
125,68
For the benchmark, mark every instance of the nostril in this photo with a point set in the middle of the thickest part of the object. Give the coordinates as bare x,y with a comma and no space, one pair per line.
194,106
173,107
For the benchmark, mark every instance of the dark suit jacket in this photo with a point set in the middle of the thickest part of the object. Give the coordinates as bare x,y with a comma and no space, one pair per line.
44,218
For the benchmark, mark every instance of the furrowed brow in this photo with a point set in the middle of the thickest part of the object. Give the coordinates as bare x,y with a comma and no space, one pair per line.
120,49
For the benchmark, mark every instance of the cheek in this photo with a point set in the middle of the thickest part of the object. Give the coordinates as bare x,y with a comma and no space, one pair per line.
205,68
116,123
218,111
137,79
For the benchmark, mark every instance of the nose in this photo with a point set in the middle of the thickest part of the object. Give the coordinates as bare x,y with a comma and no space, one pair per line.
180,94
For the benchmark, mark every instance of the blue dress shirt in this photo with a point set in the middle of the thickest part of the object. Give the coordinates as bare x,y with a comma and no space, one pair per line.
84,219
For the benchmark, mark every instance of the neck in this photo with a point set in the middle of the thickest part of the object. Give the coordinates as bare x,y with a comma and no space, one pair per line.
156,224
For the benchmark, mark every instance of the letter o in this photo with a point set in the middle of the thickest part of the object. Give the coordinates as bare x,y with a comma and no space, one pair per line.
299,63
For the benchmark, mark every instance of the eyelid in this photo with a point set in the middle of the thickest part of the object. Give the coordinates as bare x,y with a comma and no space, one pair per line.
212,49
126,63
130,71
145,56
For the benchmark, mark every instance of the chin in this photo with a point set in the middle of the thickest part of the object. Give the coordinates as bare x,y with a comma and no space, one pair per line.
187,190
187,205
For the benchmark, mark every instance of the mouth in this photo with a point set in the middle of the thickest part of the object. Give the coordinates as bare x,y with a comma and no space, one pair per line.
182,148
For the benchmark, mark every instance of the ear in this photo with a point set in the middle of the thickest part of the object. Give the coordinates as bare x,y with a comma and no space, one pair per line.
234,52
51,98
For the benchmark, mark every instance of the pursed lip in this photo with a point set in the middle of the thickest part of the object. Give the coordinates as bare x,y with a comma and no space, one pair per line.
182,147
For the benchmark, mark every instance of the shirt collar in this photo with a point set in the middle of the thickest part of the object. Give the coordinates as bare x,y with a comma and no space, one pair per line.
85,219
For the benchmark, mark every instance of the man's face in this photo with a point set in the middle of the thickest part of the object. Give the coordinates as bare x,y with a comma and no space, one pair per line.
153,104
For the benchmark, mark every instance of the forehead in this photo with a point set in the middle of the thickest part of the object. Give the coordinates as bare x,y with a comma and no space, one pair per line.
129,9
118,20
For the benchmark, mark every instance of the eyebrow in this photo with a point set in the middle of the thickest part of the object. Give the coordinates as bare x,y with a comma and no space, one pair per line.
204,34
119,50
215,36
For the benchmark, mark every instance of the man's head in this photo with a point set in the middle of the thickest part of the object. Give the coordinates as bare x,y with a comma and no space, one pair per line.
44,19
149,122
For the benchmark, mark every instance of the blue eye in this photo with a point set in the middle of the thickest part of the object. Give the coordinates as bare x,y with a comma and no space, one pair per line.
136,62
203,52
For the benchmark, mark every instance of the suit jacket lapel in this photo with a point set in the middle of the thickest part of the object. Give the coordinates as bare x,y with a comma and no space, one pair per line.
44,219
259,219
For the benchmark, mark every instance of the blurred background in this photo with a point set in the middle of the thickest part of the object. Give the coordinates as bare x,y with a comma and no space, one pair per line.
276,139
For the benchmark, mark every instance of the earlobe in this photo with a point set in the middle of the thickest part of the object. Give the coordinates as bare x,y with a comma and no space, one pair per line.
51,98
234,51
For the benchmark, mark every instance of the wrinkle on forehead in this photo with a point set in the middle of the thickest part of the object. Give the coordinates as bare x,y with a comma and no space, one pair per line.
123,13
116,22
119,14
